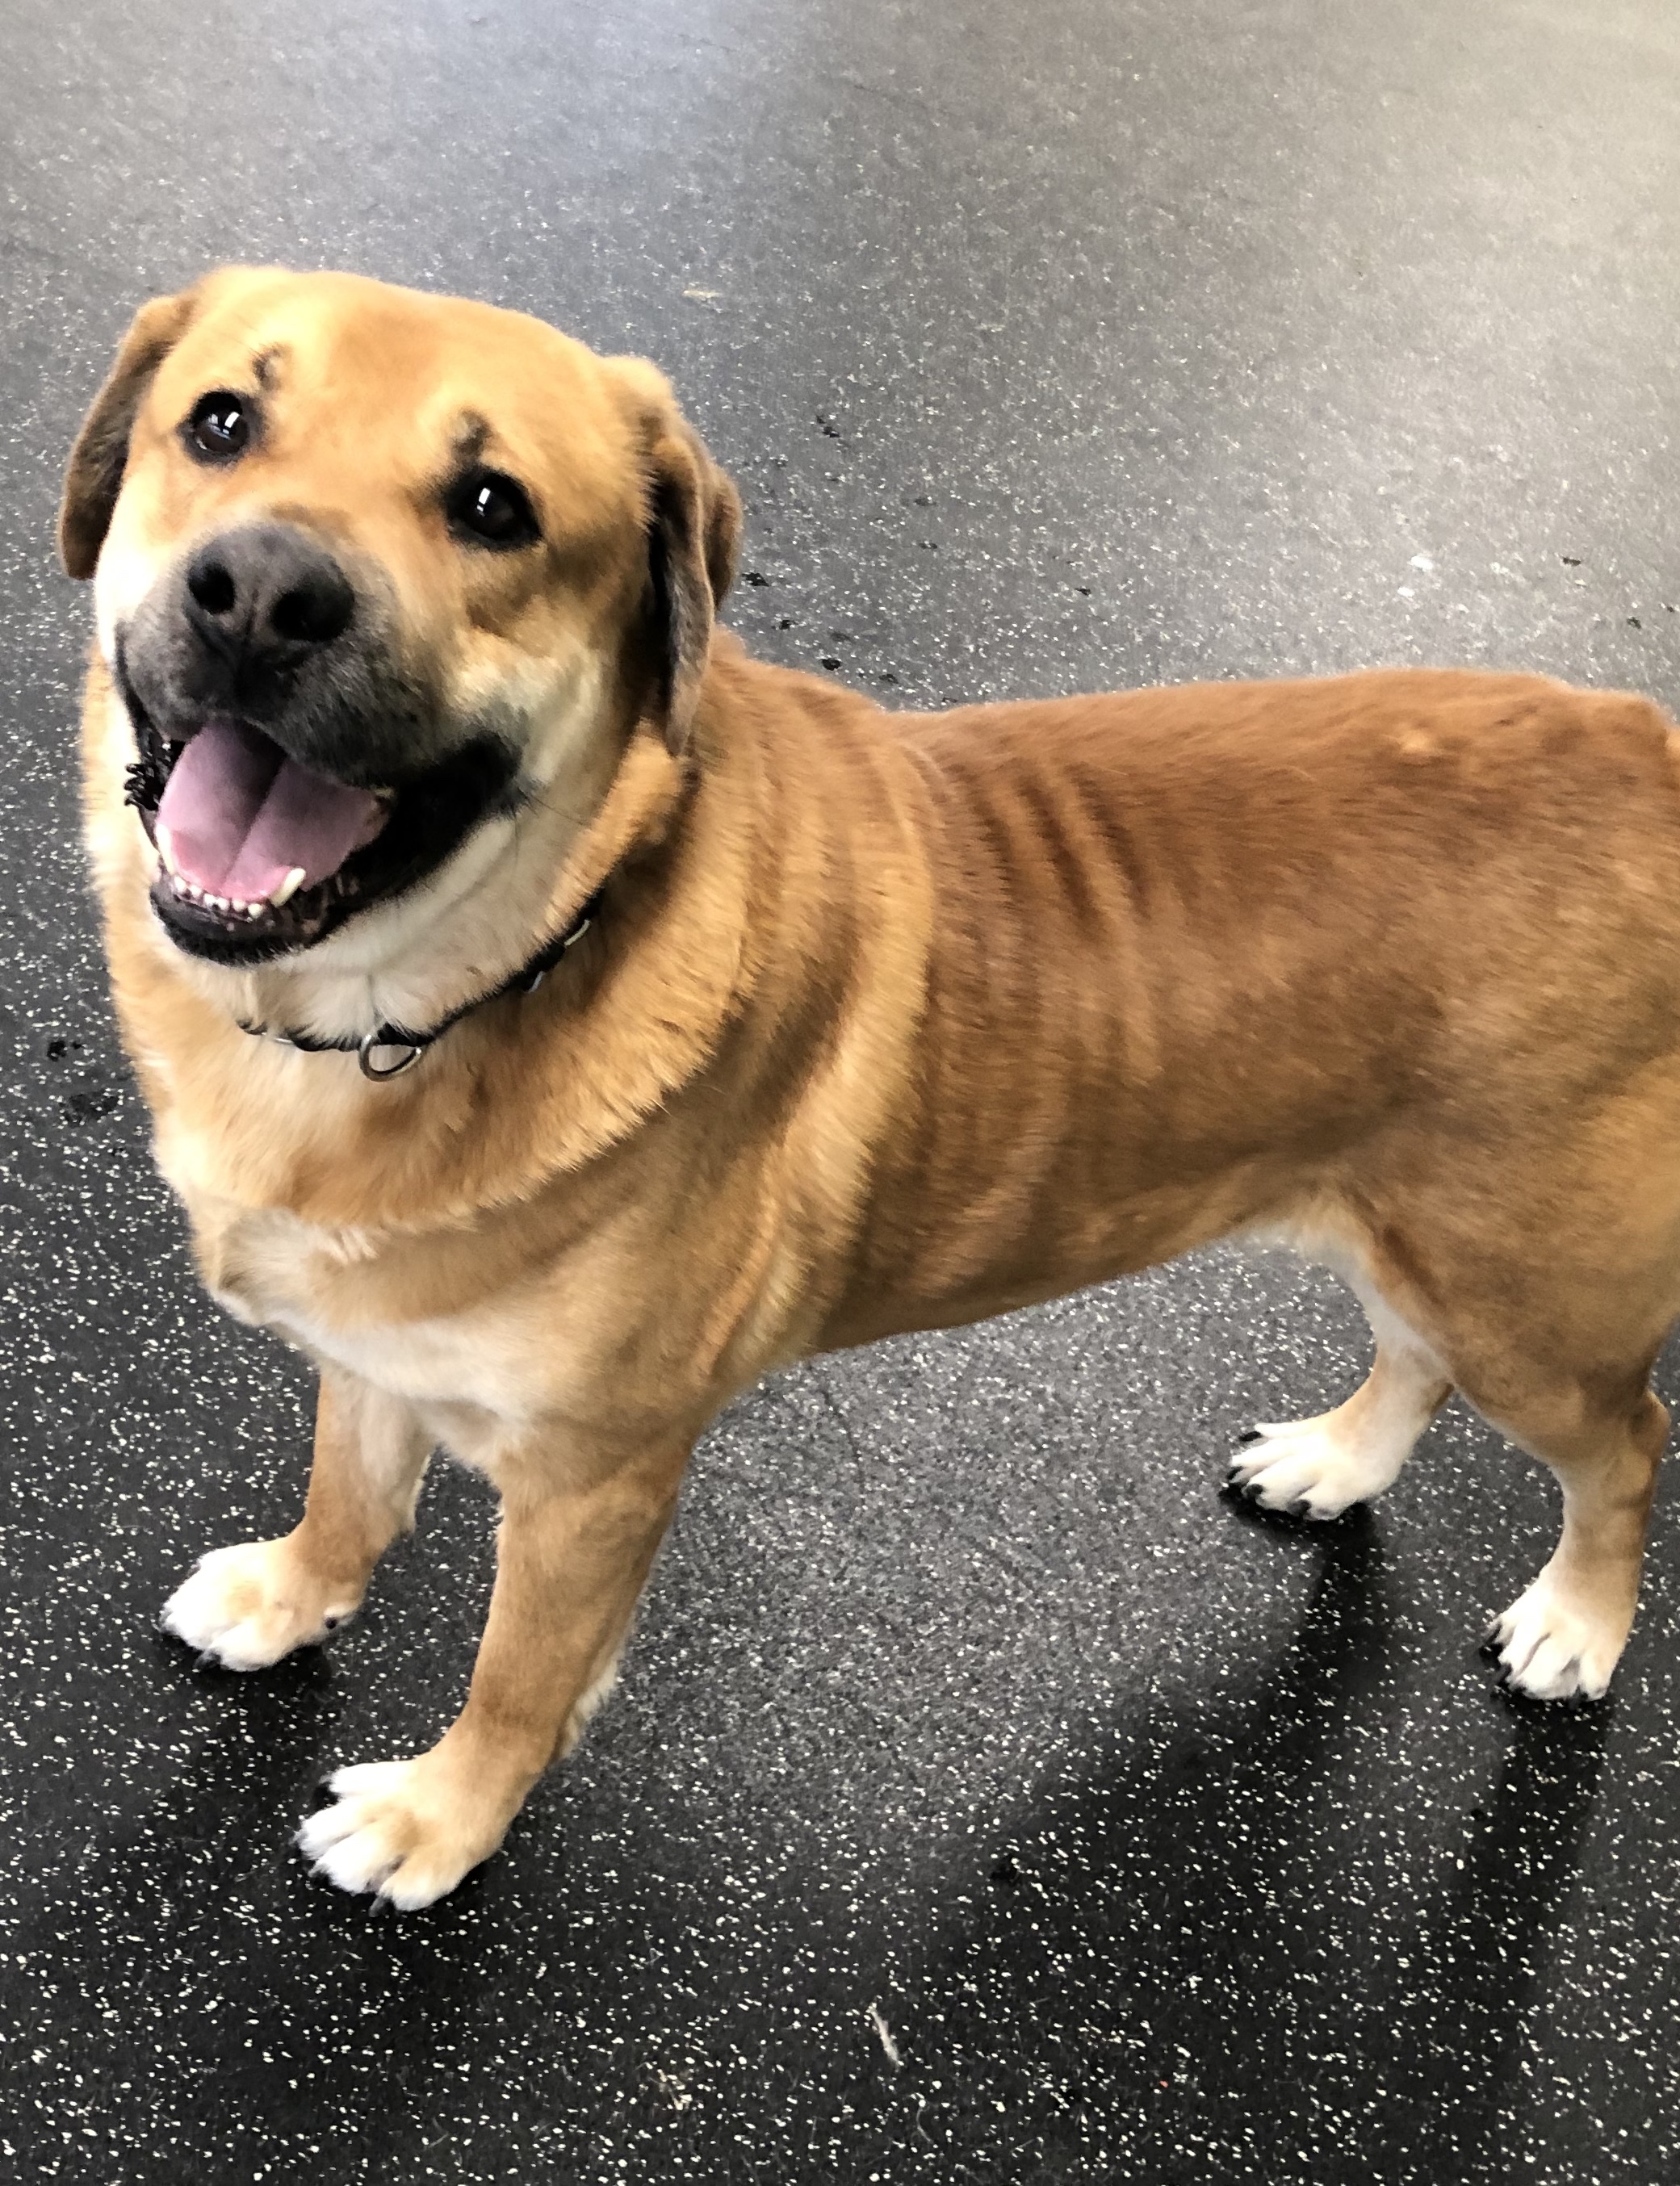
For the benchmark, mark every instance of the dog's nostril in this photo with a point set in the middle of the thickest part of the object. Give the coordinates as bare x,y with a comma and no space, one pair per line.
212,585
315,611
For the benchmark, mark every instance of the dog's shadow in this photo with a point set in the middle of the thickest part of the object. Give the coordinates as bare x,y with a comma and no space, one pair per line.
1210,1948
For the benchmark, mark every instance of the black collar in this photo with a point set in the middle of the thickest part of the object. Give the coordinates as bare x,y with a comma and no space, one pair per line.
526,980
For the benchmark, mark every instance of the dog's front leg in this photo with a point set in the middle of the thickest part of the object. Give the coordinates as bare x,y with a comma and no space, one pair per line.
249,1605
576,1542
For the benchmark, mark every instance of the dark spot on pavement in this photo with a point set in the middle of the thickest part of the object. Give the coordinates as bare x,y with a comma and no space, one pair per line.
89,1102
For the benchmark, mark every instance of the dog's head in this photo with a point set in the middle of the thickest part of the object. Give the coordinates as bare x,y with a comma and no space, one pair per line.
377,573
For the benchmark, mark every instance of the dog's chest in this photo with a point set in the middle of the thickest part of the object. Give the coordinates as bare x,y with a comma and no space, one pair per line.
369,1301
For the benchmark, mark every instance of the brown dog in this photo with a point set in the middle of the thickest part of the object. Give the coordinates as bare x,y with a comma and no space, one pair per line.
407,680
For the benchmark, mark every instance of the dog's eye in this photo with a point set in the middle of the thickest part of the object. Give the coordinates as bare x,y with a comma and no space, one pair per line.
220,427
491,510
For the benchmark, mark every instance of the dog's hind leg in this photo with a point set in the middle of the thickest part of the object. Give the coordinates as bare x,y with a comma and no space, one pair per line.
1550,1324
249,1605
1561,1638
1316,1468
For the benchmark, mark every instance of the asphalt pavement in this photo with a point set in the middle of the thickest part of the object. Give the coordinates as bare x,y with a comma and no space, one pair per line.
984,1801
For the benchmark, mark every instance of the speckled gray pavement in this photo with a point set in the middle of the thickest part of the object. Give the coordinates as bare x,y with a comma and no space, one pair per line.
985,1801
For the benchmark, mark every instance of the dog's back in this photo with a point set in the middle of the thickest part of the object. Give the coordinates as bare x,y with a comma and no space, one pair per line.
1198,953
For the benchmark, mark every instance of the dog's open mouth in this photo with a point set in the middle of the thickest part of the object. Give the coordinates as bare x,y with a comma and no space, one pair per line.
260,855
245,833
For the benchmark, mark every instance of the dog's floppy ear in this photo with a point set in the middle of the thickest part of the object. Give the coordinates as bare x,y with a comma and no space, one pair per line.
693,527
93,475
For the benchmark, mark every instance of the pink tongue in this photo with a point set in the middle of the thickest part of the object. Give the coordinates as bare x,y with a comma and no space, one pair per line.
241,815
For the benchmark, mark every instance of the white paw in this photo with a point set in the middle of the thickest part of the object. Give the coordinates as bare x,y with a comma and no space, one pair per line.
248,1605
407,1831
1312,1468
1554,1646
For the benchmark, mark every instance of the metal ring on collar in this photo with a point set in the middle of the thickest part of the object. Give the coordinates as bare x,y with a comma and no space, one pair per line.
364,1056
531,985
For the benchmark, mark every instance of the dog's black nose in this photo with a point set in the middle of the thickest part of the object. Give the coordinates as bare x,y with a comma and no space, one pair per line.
266,595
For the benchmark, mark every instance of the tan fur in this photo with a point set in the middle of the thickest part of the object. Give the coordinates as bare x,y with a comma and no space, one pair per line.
887,1022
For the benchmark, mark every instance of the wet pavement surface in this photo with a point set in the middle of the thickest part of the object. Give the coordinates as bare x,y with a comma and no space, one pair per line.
985,1800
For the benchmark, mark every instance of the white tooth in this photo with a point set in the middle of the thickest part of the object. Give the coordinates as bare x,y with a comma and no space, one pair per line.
166,851
288,888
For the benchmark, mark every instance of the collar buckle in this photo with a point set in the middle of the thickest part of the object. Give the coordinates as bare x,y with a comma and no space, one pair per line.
410,1053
